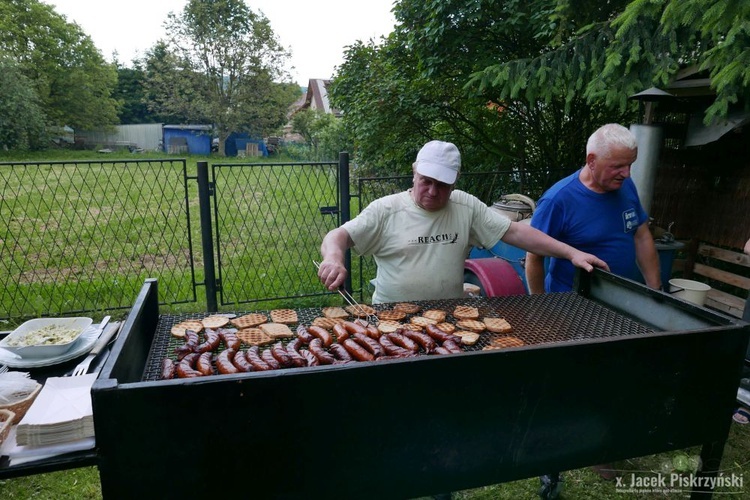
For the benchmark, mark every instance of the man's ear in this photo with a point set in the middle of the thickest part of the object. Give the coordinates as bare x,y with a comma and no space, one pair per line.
590,159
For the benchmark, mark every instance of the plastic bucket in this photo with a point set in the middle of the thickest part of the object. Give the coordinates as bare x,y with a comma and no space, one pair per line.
692,291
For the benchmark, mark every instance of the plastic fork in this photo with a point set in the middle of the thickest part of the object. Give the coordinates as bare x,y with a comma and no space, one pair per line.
371,319
3,368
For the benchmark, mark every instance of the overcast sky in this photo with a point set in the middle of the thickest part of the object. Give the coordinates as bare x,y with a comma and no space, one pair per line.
316,32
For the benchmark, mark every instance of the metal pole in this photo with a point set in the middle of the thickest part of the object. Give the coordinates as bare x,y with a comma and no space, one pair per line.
204,199
345,212
649,138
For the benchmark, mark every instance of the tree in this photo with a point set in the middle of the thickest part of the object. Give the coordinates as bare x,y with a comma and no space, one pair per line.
521,84
323,132
413,87
72,82
21,117
131,95
613,53
714,35
221,63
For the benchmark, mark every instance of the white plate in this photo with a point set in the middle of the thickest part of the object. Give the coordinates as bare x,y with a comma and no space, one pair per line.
81,346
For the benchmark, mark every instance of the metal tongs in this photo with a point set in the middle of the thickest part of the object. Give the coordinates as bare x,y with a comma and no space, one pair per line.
371,318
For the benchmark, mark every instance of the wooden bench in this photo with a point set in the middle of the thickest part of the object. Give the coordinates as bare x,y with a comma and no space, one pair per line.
699,265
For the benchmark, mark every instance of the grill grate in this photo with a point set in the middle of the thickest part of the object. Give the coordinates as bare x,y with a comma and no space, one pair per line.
536,320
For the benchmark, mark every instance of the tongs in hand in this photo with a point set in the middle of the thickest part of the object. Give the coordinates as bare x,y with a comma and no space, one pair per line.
371,318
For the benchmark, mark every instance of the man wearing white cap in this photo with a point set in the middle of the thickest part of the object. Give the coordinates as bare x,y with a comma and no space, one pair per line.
420,238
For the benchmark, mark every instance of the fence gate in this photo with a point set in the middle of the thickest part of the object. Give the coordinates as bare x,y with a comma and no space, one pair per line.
268,222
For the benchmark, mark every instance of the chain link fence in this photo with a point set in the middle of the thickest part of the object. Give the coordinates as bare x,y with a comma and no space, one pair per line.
269,222
82,236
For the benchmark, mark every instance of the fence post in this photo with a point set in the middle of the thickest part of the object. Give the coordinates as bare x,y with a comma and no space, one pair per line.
204,200
345,211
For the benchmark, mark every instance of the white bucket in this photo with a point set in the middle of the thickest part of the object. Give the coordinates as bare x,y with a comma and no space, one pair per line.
692,291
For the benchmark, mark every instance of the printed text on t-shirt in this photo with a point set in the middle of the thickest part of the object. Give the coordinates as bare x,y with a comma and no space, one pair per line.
629,220
443,239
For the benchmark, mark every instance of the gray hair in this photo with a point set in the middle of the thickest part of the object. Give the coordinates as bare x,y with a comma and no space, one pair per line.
608,136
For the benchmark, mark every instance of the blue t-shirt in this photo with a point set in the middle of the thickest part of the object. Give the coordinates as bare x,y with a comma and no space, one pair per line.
603,224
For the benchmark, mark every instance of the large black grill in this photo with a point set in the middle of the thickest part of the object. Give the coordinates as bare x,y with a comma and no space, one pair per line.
610,371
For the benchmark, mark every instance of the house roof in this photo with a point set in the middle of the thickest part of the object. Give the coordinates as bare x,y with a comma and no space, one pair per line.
317,97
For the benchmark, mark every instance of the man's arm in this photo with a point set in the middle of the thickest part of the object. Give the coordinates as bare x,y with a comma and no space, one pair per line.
647,257
535,241
535,273
332,271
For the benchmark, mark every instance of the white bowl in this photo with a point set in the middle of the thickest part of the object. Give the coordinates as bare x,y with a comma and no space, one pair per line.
17,341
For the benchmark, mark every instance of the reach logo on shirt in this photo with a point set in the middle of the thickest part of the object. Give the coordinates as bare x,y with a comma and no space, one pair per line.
442,239
630,220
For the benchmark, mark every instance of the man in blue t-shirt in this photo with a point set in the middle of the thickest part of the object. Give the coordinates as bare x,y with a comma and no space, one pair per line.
597,210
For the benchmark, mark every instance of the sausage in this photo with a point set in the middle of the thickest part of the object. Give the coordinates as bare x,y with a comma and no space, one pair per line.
372,332
304,335
441,350
324,357
211,342
353,327
341,333
230,339
424,340
224,362
191,342
167,368
253,357
241,363
403,341
292,349
372,345
357,351
309,357
203,364
267,356
440,336
392,349
279,352
185,368
340,352
452,346
321,333
191,337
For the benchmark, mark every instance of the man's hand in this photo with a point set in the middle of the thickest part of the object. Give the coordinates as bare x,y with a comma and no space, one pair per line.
587,261
332,271
332,274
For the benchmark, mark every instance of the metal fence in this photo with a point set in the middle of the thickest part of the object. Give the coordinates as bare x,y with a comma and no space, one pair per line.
82,236
269,220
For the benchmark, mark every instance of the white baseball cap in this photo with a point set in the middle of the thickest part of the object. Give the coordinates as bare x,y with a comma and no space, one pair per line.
440,161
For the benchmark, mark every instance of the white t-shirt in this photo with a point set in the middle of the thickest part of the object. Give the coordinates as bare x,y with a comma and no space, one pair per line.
420,254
